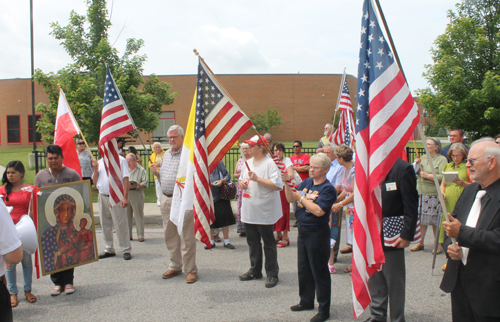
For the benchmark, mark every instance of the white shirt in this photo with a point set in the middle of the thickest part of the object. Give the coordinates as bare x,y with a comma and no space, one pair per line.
336,173
103,181
264,205
9,240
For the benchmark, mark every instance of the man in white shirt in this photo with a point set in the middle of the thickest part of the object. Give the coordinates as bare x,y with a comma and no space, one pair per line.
113,216
260,210
10,252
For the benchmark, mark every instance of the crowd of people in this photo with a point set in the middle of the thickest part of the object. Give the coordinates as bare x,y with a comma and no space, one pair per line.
321,191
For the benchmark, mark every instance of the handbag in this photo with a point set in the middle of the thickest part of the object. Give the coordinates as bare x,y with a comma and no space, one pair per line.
227,190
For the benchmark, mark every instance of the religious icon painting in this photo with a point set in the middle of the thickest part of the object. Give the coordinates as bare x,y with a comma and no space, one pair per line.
66,227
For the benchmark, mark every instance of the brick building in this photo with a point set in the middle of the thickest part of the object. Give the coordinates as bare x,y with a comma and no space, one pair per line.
305,102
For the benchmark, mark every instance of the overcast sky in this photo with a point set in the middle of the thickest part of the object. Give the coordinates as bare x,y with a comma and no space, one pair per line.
234,37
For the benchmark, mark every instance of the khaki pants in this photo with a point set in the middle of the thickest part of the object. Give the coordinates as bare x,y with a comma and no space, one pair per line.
116,216
182,247
136,209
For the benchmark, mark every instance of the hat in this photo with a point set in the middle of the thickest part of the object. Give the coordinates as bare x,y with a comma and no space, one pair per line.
256,139
80,141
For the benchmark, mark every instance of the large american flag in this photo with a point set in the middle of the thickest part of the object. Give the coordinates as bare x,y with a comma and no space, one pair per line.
218,125
386,117
347,129
115,121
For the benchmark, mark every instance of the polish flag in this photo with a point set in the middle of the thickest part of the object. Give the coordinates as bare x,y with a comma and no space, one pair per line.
66,129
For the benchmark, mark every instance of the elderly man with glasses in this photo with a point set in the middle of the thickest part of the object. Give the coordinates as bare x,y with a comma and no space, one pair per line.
472,270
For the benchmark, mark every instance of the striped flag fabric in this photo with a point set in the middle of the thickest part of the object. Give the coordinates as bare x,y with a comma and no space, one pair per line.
385,119
218,123
346,129
115,121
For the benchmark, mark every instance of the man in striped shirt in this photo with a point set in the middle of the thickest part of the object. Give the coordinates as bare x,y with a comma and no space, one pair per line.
182,248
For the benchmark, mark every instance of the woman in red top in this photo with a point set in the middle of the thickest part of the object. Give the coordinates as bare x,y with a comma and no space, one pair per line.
17,194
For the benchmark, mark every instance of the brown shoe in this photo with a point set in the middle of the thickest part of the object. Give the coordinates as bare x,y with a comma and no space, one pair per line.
346,250
417,247
191,278
170,273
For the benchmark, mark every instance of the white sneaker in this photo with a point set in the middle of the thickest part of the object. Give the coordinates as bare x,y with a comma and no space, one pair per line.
69,289
56,290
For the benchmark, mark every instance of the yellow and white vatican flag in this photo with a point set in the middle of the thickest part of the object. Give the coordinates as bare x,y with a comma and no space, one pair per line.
182,199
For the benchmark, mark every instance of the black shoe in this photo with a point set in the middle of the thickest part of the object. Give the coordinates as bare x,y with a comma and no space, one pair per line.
295,224
213,246
299,307
249,276
127,256
372,320
106,255
243,234
271,281
229,245
320,317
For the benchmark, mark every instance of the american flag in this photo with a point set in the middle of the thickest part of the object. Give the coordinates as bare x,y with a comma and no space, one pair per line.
386,117
115,121
346,129
218,125
392,227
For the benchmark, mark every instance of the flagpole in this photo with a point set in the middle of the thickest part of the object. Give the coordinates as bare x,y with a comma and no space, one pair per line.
128,113
69,107
419,126
338,98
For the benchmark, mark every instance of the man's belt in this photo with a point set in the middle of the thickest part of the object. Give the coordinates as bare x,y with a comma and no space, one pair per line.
102,194
168,194
133,189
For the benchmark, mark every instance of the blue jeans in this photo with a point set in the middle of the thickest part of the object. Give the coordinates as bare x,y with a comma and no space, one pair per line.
27,273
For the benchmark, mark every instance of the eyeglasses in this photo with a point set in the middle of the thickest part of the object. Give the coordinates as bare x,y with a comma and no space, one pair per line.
296,146
497,142
173,137
314,168
474,160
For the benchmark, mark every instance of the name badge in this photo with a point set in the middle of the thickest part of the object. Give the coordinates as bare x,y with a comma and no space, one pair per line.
391,186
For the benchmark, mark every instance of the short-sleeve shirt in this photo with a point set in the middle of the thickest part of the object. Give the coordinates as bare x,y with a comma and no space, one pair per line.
168,170
103,181
348,184
324,195
264,205
85,158
9,240
19,200
300,161
139,175
336,173
45,178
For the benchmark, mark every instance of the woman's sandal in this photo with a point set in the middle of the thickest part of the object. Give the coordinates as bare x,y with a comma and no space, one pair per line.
30,297
13,300
278,239
284,243
348,269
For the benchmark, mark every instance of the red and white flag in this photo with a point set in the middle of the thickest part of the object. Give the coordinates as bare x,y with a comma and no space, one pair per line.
65,130
115,121
346,129
385,119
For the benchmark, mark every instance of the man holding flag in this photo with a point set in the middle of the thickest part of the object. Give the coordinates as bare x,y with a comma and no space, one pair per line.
179,238
385,119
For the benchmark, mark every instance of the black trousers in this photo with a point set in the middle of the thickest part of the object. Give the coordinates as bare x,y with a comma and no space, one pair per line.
63,278
5,307
460,305
254,235
313,252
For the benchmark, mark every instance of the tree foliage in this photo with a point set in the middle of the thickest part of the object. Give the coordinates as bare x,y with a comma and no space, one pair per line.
264,122
465,76
86,40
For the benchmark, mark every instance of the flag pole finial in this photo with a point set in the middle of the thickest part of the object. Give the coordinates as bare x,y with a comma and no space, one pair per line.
58,85
196,52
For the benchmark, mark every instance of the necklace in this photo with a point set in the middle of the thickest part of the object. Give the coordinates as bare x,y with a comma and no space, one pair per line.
55,178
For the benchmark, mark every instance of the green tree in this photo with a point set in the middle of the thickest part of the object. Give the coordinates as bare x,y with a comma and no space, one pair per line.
264,122
464,78
86,40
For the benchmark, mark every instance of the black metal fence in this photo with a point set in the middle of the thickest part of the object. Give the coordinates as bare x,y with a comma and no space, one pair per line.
230,159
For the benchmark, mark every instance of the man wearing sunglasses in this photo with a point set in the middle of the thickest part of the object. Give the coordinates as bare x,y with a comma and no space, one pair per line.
301,161
473,262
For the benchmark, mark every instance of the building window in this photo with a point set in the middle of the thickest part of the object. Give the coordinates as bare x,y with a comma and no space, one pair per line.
30,129
13,129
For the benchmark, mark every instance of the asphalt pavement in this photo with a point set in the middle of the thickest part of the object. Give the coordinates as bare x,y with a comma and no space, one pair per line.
113,289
